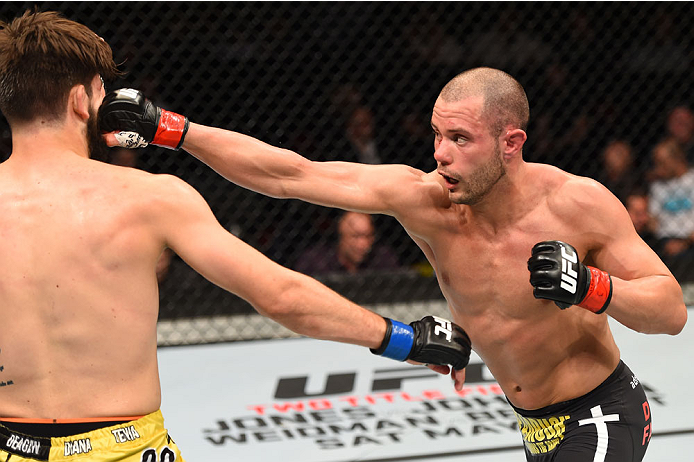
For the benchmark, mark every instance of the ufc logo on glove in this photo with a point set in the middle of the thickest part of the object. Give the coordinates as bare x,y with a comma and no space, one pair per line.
557,274
431,340
444,326
569,276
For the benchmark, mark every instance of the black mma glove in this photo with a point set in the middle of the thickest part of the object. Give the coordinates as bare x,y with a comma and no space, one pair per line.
556,274
139,122
431,340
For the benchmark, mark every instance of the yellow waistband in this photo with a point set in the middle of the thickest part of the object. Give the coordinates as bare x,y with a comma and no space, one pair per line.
129,439
69,421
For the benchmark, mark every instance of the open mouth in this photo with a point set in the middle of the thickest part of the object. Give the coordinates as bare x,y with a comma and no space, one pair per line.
448,179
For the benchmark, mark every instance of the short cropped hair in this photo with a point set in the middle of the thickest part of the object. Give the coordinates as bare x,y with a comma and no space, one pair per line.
42,56
505,101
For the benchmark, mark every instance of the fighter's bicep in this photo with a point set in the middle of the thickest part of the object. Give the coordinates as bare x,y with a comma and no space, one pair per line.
230,263
190,229
628,257
622,252
359,187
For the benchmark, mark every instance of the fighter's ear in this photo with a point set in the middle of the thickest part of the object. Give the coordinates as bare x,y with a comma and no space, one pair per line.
78,102
512,142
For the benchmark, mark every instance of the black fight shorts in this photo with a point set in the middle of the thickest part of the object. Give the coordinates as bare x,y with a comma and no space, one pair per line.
609,424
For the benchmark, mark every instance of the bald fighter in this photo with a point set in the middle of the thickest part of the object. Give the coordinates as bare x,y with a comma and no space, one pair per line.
80,241
531,259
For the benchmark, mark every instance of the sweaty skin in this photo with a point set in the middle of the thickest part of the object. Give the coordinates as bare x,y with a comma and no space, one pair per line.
476,218
80,241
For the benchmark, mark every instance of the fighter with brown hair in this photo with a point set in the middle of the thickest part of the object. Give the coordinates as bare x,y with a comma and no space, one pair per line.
78,286
531,259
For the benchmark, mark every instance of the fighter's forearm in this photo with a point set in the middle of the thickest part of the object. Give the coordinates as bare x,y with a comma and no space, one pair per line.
309,308
651,305
244,160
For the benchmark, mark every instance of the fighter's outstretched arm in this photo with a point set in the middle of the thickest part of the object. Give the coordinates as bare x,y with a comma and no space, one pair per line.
282,173
297,301
184,220
259,166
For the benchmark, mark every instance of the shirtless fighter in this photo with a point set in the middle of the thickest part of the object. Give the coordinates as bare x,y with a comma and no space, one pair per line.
79,244
531,259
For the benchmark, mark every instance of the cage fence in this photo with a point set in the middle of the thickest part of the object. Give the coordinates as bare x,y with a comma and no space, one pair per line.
356,81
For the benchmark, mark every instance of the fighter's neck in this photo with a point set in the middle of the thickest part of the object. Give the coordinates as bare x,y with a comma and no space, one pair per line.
37,140
509,200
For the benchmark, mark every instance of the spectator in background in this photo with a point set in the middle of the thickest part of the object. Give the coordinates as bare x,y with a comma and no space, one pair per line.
417,149
356,141
671,202
345,98
618,173
636,204
354,252
359,130
680,126
562,126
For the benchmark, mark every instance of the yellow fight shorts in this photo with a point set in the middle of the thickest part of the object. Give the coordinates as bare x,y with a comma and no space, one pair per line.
141,440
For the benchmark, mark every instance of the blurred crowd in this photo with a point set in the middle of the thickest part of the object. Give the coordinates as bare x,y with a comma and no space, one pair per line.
657,191
659,194
609,86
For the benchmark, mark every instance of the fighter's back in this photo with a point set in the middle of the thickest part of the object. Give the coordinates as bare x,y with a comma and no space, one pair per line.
78,292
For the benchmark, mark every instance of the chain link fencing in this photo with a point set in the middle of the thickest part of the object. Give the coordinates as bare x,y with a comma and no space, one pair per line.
356,81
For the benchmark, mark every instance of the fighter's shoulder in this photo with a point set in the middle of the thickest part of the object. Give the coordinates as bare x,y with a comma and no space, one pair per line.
432,186
400,172
170,190
572,195
414,187
148,189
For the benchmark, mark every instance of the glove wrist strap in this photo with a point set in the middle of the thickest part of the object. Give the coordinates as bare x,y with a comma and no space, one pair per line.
171,130
398,341
599,292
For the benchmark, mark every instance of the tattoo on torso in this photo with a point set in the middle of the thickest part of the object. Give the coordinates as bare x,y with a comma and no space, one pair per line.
4,382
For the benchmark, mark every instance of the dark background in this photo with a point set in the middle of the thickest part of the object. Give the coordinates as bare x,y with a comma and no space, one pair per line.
291,73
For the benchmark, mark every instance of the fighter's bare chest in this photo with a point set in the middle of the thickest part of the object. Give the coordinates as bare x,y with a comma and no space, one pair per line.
471,262
483,269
